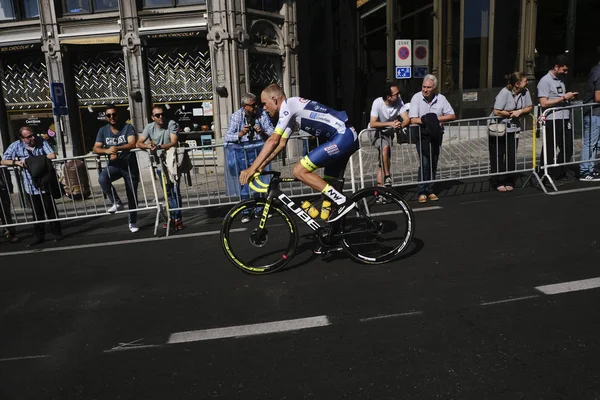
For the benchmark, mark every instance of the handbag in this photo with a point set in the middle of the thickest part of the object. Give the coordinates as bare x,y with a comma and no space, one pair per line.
497,129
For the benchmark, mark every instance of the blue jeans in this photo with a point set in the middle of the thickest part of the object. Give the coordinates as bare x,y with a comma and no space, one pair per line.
173,196
589,144
131,176
429,153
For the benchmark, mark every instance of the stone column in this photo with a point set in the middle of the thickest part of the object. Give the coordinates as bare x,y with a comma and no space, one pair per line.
290,42
55,67
139,96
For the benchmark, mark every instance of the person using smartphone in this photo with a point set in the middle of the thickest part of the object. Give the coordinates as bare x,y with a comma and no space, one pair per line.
553,94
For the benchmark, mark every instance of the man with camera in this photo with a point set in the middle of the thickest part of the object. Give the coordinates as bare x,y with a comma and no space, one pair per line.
388,116
248,128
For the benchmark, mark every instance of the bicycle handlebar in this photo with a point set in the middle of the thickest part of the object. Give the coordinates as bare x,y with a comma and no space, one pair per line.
264,187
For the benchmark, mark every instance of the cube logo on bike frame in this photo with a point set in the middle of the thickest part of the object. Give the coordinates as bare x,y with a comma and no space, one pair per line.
314,225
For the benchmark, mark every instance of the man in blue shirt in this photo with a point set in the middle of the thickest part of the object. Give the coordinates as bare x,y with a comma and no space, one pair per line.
40,201
248,128
115,140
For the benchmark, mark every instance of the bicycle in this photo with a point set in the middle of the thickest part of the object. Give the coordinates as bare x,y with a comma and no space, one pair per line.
363,233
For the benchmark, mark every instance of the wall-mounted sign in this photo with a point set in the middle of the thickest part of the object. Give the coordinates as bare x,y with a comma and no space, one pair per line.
421,52
403,53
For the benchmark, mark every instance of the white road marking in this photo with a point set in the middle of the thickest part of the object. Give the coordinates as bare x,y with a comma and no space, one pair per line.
402,212
23,358
120,242
249,330
574,191
489,303
572,286
391,316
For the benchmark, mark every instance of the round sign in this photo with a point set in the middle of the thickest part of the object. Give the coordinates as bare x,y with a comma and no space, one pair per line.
421,52
403,53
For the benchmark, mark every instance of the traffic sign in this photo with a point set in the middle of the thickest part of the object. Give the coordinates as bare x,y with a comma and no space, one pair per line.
403,53
403,72
59,100
421,52
420,72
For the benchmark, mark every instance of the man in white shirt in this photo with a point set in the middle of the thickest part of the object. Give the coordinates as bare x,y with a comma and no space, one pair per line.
384,118
425,102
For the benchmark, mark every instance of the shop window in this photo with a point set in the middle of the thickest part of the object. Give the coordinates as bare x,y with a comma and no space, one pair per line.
476,25
170,3
89,6
265,5
11,10
506,40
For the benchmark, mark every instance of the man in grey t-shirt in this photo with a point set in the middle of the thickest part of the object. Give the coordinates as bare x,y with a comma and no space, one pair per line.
158,136
552,94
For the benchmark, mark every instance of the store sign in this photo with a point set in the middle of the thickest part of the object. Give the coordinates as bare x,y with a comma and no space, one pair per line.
18,48
175,35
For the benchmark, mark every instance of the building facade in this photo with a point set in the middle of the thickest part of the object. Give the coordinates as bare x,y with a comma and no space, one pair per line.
196,57
474,44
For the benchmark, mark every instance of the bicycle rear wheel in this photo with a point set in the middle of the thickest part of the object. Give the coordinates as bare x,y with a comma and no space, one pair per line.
380,229
249,249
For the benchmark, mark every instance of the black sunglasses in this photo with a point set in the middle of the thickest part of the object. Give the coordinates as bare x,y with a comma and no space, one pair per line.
108,115
27,137
252,105
158,115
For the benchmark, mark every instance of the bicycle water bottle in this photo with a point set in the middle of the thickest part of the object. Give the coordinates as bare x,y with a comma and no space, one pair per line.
310,209
325,210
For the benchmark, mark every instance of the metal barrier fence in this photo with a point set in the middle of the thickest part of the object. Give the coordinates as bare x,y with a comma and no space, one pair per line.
467,151
78,193
569,137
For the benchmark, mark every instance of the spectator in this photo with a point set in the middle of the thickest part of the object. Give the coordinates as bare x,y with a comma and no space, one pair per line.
429,110
248,128
388,115
6,188
39,199
162,134
591,126
552,93
512,103
115,140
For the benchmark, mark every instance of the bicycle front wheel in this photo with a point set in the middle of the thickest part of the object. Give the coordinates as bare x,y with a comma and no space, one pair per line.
381,227
258,251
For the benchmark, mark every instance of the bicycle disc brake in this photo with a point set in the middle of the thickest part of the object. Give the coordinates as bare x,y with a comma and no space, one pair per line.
258,240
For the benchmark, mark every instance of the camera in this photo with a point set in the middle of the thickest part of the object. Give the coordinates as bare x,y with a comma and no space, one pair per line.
251,121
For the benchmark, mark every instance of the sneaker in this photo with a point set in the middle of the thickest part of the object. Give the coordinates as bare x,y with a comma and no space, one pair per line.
342,210
115,207
422,198
381,199
387,182
245,219
133,228
11,238
179,225
590,177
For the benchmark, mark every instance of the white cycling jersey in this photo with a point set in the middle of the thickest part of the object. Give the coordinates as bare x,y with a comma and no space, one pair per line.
312,117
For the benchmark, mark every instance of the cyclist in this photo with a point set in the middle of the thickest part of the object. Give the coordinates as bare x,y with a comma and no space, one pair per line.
338,141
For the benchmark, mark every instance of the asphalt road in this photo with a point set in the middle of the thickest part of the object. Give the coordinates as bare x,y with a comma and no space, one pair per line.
468,313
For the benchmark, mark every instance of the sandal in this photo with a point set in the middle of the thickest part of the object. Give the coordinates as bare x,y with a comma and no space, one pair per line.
509,188
501,188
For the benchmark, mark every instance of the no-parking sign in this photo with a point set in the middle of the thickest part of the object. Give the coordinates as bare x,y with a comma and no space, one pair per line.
421,52
403,53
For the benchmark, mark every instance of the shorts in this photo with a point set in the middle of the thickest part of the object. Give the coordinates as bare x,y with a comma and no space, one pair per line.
333,154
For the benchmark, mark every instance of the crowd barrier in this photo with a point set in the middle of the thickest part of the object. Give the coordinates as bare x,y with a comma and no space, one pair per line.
77,195
467,151
569,137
